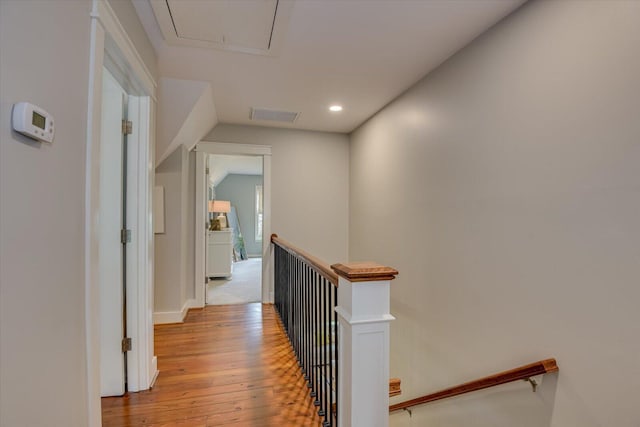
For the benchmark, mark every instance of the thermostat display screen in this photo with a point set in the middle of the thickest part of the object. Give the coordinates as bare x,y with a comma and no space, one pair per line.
38,120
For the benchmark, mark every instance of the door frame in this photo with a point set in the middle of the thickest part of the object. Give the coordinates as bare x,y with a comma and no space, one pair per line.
112,48
209,147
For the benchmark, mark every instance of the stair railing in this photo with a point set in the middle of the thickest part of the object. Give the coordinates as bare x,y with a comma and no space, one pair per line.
337,320
305,297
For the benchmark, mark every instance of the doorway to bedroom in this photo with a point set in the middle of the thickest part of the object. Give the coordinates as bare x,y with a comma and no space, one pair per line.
235,229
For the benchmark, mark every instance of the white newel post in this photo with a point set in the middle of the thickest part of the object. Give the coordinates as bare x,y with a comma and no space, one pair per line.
363,349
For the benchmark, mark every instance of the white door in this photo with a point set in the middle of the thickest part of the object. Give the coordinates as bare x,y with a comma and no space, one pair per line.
112,361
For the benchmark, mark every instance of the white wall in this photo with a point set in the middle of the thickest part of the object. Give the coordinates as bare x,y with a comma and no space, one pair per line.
310,192
174,248
505,189
44,59
169,246
42,323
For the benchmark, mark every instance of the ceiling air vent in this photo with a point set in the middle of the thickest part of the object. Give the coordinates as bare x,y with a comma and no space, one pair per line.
273,115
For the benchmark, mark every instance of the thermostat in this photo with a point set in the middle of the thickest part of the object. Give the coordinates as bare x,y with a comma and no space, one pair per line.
32,121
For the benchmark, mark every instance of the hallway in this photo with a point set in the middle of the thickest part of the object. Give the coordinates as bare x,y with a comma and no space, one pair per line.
224,366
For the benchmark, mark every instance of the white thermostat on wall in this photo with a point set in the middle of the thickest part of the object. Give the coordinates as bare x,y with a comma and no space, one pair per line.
32,121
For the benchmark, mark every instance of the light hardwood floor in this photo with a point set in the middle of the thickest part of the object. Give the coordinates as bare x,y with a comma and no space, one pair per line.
224,366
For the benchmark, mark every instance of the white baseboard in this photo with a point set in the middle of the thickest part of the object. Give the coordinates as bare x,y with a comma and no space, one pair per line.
160,317
191,303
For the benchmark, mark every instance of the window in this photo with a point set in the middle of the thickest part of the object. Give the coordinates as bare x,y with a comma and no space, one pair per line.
258,227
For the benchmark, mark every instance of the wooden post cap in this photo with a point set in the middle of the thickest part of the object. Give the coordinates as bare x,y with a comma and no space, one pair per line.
394,387
364,271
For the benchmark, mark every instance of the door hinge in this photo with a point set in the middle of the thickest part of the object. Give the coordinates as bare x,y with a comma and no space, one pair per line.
207,171
125,236
127,127
126,345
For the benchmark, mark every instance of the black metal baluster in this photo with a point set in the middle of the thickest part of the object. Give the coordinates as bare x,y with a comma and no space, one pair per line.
280,270
296,321
305,330
316,338
294,308
292,266
323,396
309,327
288,294
283,277
303,273
323,347
276,277
327,346
335,350
285,284
323,378
299,313
331,358
285,290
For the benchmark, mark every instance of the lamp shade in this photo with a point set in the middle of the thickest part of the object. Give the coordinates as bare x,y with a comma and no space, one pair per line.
220,206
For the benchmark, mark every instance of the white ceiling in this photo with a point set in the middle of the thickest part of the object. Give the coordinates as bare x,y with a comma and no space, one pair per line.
357,53
221,165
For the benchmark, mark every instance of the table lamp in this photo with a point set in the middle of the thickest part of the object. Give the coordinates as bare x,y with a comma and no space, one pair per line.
211,218
221,207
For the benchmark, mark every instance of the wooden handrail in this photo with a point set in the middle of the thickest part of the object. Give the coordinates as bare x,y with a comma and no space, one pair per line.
522,373
321,267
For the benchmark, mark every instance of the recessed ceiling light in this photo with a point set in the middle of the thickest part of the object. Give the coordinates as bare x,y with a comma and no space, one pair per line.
335,108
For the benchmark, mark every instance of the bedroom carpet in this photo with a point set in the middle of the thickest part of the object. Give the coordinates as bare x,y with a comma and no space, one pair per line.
244,285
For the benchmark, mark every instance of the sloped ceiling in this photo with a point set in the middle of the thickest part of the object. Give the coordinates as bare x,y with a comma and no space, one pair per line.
186,113
222,165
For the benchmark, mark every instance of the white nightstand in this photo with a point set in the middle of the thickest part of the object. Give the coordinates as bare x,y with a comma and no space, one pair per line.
219,253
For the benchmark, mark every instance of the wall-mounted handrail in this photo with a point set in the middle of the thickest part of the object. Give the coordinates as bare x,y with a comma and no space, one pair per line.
318,265
521,373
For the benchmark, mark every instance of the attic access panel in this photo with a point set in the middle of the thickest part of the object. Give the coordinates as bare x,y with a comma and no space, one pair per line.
250,26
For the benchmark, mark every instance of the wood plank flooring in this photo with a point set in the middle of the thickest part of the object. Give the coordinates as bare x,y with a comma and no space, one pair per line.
224,366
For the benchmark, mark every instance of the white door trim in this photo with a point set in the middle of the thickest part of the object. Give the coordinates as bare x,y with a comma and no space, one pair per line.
118,42
109,40
210,147
233,148
200,225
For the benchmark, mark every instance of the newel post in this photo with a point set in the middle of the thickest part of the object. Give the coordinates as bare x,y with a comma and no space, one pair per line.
363,350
